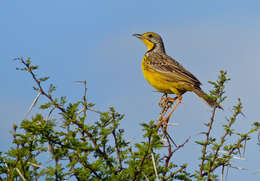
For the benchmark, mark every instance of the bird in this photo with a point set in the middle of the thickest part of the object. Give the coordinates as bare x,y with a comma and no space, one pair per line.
166,74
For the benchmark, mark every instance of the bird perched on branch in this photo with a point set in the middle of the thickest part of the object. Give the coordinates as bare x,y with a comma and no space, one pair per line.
164,73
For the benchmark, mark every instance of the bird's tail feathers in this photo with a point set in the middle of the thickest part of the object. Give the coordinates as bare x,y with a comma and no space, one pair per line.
205,97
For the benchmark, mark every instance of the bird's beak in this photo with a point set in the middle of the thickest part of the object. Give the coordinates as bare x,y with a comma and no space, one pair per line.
138,36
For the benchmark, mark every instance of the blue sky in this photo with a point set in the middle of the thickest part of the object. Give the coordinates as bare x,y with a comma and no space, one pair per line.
91,40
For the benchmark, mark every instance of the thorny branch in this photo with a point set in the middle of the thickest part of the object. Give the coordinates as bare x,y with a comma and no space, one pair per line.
139,169
117,150
147,148
204,148
165,107
177,171
79,124
168,157
181,145
84,82
230,153
223,140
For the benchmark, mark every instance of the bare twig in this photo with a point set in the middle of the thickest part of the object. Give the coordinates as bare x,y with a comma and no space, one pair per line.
182,145
168,157
85,88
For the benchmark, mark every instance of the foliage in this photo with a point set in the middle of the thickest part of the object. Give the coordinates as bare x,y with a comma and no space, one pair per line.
81,149
215,153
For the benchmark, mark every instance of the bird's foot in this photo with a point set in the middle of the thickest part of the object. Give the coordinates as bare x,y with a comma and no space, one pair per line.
164,121
166,100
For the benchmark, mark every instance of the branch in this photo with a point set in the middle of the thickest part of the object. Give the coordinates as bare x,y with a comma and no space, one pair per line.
234,117
204,149
230,153
117,150
182,145
177,171
154,166
139,169
84,82
80,125
86,165
20,174
168,157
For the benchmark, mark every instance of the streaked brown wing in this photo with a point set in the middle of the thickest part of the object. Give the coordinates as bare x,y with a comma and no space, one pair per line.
172,69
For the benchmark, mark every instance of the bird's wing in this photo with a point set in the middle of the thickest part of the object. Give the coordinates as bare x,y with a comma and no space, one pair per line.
173,70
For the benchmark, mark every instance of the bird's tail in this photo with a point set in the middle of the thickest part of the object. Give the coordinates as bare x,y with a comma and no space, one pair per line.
204,97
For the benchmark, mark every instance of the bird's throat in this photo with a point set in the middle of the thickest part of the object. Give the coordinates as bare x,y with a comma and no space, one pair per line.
148,44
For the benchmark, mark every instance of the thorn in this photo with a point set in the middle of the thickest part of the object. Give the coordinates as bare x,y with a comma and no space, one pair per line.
145,176
238,168
243,114
235,157
81,81
154,166
171,139
39,166
173,124
21,175
33,104
50,114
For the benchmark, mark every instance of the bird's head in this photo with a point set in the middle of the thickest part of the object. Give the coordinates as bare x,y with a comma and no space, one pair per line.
151,40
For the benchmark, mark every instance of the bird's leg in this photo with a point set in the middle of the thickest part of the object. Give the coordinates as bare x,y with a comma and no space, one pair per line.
163,99
166,99
171,100
165,109
166,120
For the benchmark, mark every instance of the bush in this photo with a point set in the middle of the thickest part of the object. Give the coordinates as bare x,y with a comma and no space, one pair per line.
83,150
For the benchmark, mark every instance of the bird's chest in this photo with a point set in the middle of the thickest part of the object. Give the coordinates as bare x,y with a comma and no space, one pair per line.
154,78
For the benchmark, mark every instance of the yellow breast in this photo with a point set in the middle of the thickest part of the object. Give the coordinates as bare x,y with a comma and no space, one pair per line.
161,82
154,78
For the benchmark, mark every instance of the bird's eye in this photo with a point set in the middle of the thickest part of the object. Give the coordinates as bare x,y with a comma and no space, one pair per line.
150,36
